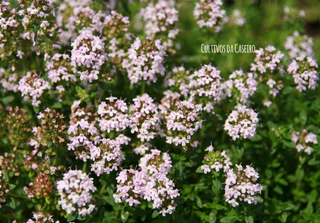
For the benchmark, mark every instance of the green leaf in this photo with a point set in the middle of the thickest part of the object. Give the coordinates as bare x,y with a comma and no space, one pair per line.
110,200
72,216
101,213
199,170
191,196
155,214
299,174
309,208
78,89
289,144
216,185
249,219
124,214
303,117
287,90
92,94
220,207
81,218
180,200
57,105
313,161
198,202
12,186
278,189
7,99
11,203
212,218
283,217
228,219
283,182
100,202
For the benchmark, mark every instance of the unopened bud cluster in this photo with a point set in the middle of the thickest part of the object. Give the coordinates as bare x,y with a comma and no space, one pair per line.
41,186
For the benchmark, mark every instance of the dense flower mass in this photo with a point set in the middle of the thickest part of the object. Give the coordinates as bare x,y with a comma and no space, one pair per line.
161,22
267,60
122,92
144,118
241,186
242,122
32,86
149,183
145,61
87,56
299,46
304,73
209,14
304,141
41,217
241,85
74,190
206,83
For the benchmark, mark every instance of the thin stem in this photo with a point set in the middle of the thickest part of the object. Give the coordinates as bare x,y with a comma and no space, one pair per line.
17,195
143,87
102,189
84,167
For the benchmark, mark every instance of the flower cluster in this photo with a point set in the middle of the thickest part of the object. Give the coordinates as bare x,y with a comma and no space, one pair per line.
74,190
206,83
115,28
16,122
84,135
36,162
3,190
39,28
73,16
235,18
182,121
304,141
149,183
59,69
52,129
179,80
241,186
41,217
110,158
9,163
304,73
9,79
41,186
267,60
114,115
33,86
298,45
87,56
241,85
242,122
145,118
268,63
216,160
145,61
292,14
209,13
161,22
